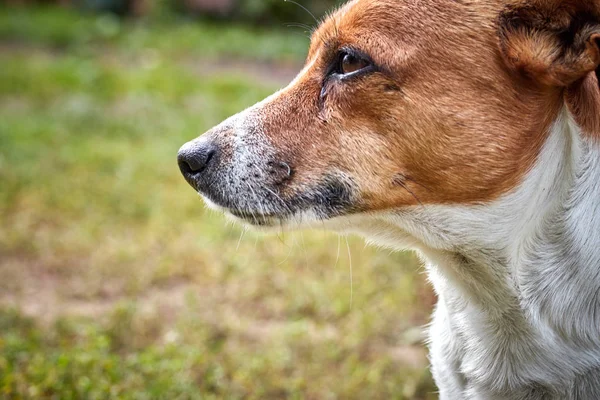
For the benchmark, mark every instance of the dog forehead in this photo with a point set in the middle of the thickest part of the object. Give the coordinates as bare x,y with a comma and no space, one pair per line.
448,26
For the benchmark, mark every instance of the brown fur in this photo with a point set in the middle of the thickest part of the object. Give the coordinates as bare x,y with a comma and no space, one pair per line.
444,112
583,99
458,109
556,43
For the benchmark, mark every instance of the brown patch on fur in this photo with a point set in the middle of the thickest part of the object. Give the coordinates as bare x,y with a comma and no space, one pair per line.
461,126
583,99
556,43
443,118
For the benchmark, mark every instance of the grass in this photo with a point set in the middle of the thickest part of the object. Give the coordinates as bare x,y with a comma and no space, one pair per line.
61,29
116,283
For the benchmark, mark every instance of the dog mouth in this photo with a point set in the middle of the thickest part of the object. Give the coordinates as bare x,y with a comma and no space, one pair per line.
264,207
258,219
257,213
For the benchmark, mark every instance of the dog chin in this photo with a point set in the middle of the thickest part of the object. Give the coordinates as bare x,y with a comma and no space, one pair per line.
305,219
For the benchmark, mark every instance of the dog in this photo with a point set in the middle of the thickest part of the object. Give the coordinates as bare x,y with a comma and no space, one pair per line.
467,130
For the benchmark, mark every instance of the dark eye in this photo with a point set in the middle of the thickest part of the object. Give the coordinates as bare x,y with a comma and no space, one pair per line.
350,63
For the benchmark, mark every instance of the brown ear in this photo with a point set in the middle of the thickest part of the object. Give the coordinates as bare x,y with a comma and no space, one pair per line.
555,42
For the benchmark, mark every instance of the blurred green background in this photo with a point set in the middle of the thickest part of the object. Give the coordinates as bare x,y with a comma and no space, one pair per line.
115,283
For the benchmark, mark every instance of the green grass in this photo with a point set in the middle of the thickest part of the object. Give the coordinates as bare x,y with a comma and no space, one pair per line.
175,37
116,283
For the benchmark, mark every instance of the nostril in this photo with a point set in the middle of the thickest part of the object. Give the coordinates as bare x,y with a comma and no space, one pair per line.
198,162
194,158
209,156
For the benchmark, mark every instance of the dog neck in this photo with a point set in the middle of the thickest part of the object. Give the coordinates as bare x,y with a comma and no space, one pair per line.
526,269
521,275
541,242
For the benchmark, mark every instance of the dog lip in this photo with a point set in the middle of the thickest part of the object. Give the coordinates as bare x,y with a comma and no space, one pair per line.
255,218
246,214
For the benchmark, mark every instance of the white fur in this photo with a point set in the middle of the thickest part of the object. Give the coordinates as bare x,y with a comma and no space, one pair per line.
518,280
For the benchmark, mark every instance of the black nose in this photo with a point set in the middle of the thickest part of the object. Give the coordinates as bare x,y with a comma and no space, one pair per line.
195,157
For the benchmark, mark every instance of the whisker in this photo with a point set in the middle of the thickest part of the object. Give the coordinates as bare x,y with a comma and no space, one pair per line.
301,34
408,178
286,258
240,239
304,8
399,180
290,249
351,273
412,194
337,258
280,199
281,236
281,231
280,239
308,28
261,205
256,200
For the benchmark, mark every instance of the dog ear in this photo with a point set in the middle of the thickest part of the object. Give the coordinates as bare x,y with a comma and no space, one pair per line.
554,42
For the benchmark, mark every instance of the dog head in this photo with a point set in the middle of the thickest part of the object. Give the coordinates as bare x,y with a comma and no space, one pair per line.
404,104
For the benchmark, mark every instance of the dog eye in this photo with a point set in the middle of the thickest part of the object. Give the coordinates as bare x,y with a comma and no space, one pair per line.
349,63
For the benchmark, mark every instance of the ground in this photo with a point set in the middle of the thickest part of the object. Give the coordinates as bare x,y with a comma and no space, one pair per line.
117,283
